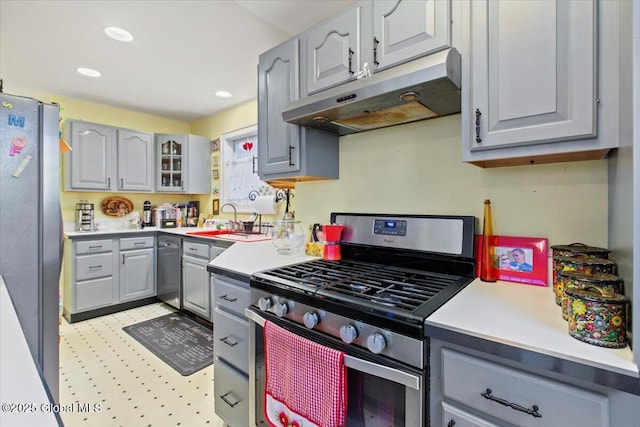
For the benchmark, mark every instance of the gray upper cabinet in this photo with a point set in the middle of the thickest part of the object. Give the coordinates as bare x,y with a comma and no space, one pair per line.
405,30
380,33
90,164
183,164
287,152
107,158
136,164
334,49
531,89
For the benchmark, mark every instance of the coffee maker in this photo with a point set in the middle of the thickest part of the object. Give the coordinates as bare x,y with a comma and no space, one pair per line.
332,234
84,216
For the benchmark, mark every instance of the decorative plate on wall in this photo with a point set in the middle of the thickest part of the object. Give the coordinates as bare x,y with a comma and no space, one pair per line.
114,205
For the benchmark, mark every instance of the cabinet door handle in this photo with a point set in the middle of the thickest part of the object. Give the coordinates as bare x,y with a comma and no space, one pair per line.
121,182
108,182
227,401
451,423
478,114
350,57
375,51
226,298
533,411
291,148
122,259
227,342
253,164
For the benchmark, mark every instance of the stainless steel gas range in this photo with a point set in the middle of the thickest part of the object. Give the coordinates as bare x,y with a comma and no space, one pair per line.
395,271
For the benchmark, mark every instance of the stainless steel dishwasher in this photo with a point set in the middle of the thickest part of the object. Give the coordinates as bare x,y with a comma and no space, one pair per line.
169,269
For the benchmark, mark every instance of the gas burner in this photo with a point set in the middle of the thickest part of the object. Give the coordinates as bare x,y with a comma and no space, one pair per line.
386,298
358,287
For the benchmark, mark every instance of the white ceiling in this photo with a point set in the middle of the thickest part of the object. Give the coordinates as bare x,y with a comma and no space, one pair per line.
182,52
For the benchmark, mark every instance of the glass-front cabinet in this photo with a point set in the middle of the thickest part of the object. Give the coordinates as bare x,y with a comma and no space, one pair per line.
172,152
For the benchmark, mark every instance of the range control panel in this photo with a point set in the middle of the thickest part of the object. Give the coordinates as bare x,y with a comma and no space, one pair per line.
390,227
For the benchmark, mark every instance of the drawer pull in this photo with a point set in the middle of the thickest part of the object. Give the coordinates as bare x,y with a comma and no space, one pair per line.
92,267
227,342
533,411
95,247
226,298
227,401
139,243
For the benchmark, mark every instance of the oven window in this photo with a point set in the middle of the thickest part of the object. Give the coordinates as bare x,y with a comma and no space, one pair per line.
374,401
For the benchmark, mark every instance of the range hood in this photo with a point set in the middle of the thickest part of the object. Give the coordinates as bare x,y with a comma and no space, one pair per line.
421,89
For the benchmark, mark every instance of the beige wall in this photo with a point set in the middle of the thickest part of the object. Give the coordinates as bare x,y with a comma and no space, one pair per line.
417,168
233,119
414,168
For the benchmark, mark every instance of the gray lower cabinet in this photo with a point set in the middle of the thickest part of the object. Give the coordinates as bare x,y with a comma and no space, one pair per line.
196,280
102,273
231,351
468,390
89,280
137,268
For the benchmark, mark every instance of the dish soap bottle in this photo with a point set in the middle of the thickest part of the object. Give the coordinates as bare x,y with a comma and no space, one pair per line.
487,269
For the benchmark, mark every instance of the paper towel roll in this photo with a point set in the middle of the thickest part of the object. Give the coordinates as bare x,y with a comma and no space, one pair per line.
266,205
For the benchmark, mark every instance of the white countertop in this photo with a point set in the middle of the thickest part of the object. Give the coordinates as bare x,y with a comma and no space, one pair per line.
527,317
20,382
251,257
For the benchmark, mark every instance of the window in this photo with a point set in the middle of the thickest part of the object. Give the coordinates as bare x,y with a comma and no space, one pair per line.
239,151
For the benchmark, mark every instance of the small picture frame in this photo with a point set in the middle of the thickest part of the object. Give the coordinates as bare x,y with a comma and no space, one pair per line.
214,174
216,207
521,259
215,145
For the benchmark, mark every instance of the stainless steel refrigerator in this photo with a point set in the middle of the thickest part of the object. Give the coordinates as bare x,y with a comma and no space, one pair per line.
31,224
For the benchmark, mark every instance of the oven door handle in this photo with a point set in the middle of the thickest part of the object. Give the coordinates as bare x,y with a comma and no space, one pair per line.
381,371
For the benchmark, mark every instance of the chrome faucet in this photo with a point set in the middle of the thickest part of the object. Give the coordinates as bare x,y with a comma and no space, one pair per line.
234,224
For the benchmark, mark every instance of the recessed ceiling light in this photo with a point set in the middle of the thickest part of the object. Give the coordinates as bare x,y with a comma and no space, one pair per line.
88,72
222,94
118,34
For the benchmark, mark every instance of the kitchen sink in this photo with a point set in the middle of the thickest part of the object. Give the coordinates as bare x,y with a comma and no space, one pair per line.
230,235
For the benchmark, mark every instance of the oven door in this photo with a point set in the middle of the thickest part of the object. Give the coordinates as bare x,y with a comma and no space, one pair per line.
379,395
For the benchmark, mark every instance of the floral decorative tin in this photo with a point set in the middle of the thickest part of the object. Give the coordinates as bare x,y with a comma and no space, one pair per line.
583,264
598,317
579,249
581,280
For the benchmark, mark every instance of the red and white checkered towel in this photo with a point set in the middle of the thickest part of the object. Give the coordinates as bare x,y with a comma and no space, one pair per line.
306,383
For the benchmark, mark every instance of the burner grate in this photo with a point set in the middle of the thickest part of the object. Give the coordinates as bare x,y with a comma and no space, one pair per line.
364,283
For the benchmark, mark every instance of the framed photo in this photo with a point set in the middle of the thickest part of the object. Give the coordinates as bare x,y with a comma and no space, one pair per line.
216,207
215,145
521,259
214,174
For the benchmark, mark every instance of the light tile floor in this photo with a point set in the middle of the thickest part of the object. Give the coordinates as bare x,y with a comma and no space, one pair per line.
109,379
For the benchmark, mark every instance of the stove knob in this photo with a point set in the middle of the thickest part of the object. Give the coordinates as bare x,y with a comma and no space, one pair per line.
310,319
348,333
264,303
281,309
376,343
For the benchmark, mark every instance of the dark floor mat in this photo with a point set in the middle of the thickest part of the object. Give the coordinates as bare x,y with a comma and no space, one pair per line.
182,343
